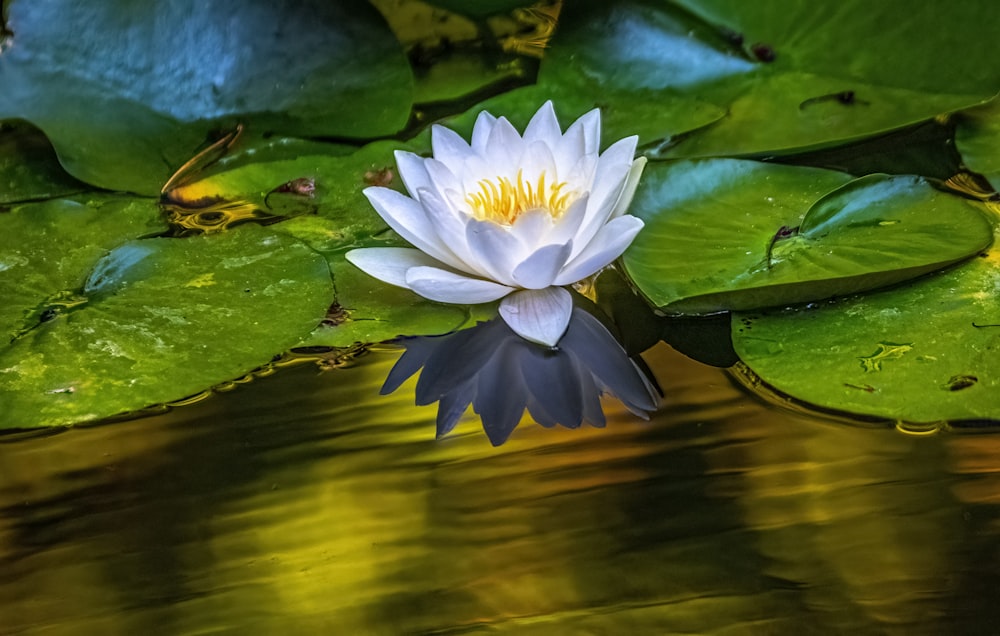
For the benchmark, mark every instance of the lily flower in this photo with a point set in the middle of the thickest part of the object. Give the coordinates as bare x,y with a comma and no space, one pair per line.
509,216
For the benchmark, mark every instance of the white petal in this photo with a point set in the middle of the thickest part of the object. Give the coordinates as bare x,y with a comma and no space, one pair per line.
412,171
389,264
442,177
503,149
449,228
448,287
532,229
631,183
568,150
544,126
481,131
494,249
567,226
581,175
409,219
472,172
610,179
612,172
540,269
448,146
538,315
537,159
607,245
590,126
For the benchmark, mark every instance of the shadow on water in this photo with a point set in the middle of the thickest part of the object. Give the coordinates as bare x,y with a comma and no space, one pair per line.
306,503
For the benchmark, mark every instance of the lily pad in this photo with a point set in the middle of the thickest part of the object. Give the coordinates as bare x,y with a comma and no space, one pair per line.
924,353
48,248
29,169
128,92
160,319
730,234
977,137
265,176
651,115
371,311
791,74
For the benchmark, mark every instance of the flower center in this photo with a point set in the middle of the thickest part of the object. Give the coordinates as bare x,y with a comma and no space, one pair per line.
502,200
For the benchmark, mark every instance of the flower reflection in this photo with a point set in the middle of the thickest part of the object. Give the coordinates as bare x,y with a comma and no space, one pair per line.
502,374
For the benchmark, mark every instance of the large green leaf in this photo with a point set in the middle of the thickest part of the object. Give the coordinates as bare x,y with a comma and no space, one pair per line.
156,320
127,91
791,74
29,169
925,352
730,234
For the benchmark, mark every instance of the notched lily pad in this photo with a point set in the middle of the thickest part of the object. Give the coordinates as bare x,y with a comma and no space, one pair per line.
925,353
160,319
729,234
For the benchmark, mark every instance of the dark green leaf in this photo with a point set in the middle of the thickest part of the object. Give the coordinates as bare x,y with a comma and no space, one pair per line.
127,92
978,139
790,74
29,169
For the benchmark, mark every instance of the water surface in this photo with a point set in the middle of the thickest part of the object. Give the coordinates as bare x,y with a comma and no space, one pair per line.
307,503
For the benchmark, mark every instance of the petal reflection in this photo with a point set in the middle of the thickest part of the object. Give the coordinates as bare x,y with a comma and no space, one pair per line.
501,375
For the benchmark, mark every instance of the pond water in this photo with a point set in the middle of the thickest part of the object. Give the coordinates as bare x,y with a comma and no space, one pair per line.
307,503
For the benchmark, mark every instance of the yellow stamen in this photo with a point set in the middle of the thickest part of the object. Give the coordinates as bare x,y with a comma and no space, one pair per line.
502,200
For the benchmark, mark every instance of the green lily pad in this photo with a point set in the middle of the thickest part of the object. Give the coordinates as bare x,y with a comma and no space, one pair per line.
157,320
127,93
923,353
651,115
29,169
729,234
790,74
977,137
48,248
372,311
335,182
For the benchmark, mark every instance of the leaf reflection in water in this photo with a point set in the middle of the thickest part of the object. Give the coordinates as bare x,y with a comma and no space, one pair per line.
502,374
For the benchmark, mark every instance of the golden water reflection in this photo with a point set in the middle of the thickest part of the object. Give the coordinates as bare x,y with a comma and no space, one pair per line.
306,503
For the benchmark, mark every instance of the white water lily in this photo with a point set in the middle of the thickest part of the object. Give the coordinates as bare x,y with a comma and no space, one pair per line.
509,217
